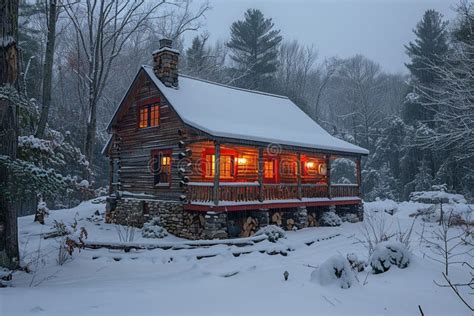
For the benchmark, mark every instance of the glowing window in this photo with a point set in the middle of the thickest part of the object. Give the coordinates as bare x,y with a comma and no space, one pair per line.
162,168
149,115
226,166
269,169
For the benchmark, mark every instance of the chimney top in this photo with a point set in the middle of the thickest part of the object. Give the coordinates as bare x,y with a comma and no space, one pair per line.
165,63
165,42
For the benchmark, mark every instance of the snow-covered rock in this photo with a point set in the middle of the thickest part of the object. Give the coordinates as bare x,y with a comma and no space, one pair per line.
330,219
389,253
336,269
273,232
379,205
435,197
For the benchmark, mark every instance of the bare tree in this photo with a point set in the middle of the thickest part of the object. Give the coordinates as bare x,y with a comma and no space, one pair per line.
327,71
445,243
361,80
102,29
51,13
296,64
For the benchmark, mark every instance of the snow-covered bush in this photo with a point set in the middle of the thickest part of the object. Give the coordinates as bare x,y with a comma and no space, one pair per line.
356,263
330,219
350,217
273,232
334,270
387,254
153,229
375,229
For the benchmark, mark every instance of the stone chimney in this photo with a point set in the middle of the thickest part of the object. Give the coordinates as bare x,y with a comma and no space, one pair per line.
165,63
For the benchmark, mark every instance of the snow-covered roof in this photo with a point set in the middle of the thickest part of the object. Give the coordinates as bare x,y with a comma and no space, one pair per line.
226,111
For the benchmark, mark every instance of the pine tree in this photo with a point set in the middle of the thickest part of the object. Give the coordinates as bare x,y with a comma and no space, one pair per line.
254,44
423,180
195,59
383,184
429,48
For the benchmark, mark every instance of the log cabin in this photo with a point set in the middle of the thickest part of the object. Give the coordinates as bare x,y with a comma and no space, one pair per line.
216,161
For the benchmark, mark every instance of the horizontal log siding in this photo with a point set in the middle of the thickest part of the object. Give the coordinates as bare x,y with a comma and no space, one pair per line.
137,144
247,172
313,177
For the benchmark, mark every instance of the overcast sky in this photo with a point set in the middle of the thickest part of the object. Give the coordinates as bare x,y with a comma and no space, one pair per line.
377,29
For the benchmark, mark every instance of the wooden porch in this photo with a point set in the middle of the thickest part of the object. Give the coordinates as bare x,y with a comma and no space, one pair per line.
256,177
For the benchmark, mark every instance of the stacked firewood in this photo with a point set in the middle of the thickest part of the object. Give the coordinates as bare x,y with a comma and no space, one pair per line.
290,223
249,227
197,222
312,221
277,218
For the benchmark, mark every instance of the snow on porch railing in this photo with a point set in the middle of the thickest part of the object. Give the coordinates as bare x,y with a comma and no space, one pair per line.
249,191
314,190
344,190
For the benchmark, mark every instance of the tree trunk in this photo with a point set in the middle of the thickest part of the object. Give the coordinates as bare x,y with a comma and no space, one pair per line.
48,68
91,127
9,254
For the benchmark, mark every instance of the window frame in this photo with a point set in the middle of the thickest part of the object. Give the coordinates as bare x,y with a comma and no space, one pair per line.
149,104
224,152
274,179
161,153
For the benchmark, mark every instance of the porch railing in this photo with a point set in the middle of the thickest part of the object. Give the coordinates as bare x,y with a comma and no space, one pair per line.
344,190
314,190
280,191
250,191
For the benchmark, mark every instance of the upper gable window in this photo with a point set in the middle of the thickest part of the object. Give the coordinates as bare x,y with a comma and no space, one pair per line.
149,115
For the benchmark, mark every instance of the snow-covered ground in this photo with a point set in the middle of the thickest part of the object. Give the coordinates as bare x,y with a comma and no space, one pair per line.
183,282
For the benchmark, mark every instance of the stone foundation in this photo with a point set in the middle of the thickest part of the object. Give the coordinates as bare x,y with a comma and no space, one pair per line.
135,212
212,225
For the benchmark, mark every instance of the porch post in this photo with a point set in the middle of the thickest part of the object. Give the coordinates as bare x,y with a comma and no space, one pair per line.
298,158
111,175
217,172
328,174
260,174
358,175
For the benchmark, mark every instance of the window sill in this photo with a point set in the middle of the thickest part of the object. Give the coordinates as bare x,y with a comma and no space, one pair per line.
145,128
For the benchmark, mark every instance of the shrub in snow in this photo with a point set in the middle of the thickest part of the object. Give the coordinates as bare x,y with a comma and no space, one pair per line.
153,229
273,232
356,263
334,270
387,254
330,219
350,217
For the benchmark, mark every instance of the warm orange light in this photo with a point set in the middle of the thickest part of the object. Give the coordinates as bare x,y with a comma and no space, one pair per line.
310,164
165,161
242,161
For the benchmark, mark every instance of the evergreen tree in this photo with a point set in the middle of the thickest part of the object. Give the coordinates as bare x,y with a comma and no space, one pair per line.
429,48
254,45
195,56
383,184
423,180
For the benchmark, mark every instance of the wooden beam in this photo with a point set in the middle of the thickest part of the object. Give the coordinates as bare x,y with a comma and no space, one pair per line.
268,205
328,173
299,170
217,172
111,175
260,174
358,175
